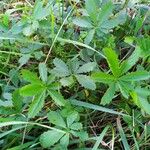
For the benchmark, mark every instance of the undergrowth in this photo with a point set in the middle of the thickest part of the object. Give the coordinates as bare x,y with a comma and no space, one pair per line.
75,74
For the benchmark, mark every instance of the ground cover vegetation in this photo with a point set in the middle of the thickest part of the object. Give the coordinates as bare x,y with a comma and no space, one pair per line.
75,74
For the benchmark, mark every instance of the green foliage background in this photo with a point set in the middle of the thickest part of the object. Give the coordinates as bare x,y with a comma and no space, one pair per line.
75,74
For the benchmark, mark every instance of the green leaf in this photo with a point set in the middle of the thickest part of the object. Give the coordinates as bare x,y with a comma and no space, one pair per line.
74,65
7,103
35,25
142,92
116,20
28,31
74,43
108,96
140,102
86,82
83,135
136,76
103,77
67,81
17,100
65,140
22,146
76,126
131,61
105,12
36,105
49,138
92,11
51,79
55,118
37,9
110,24
129,40
61,69
123,136
43,71
32,89
144,44
39,12
58,98
54,86
100,138
113,61
89,36
30,77
123,89
145,105
95,107
82,22
87,67
72,118
24,59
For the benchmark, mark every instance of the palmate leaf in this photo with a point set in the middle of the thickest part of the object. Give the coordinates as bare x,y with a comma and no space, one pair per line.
108,96
136,76
41,12
123,89
30,77
67,81
89,36
72,118
92,11
112,23
32,89
83,135
83,22
64,141
17,100
55,118
103,77
49,138
113,61
105,12
74,65
86,82
58,98
43,71
142,92
24,59
144,104
116,20
144,44
131,61
76,126
61,69
139,97
86,67
27,31
36,105
7,103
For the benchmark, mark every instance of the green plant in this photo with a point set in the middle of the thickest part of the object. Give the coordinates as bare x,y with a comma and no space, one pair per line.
69,74
70,127
40,89
119,80
99,19
74,74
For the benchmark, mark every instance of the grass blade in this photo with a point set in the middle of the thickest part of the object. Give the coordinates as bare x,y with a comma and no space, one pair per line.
100,138
95,107
122,134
